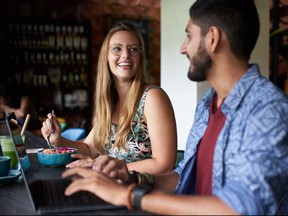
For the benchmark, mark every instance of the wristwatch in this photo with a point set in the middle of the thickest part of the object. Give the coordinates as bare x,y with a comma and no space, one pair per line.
138,192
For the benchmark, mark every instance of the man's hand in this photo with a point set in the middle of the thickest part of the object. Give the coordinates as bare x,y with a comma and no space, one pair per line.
96,182
112,167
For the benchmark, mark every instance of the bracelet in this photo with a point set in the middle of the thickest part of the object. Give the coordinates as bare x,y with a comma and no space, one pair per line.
133,177
149,178
140,179
129,200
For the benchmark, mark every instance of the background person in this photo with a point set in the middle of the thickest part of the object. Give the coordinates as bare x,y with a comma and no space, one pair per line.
236,157
133,120
16,99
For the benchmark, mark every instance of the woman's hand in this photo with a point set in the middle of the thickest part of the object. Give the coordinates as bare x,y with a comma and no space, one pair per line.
52,126
97,183
83,161
112,167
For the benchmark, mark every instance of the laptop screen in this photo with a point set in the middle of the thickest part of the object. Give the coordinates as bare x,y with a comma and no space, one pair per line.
20,150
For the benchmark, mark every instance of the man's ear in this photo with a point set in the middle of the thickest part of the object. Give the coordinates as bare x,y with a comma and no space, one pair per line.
213,38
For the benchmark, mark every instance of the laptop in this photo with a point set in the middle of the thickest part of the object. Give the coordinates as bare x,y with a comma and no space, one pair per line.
47,195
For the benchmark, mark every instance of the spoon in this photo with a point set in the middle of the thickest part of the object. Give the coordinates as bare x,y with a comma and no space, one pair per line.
48,142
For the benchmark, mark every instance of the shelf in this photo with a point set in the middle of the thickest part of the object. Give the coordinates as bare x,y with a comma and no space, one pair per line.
50,58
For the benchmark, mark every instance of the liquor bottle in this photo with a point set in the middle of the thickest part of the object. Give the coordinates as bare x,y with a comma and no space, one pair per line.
65,82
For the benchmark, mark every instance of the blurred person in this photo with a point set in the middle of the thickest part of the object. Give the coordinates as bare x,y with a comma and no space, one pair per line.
236,157
17,100
133,120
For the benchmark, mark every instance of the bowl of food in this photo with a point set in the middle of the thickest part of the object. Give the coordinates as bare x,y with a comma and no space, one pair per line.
56,157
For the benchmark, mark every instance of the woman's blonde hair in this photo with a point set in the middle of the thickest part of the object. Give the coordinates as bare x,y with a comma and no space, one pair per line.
106,95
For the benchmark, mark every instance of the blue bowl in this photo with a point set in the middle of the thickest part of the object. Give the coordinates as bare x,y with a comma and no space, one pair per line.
59,157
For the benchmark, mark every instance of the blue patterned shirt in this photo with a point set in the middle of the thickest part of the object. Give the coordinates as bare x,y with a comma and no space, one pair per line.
250,167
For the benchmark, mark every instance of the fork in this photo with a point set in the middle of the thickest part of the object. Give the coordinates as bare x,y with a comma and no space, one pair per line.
48,137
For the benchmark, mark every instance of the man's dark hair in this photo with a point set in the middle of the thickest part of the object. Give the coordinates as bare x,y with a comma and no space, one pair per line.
238,19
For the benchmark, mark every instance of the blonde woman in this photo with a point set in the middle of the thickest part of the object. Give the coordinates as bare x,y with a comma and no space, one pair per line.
133,121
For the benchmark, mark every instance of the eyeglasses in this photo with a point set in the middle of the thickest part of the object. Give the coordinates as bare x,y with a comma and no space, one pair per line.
117,49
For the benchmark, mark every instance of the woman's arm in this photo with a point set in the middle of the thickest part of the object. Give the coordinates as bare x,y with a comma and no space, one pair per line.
159,115
52,125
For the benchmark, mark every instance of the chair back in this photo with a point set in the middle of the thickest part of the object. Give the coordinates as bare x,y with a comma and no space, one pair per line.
74,133
180,156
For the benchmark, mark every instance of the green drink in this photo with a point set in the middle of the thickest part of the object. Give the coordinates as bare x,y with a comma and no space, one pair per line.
8,150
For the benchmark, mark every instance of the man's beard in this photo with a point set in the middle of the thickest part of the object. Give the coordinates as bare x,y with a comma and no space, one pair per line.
202,63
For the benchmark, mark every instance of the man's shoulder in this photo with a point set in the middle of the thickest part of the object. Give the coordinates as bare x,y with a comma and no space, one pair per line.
264,90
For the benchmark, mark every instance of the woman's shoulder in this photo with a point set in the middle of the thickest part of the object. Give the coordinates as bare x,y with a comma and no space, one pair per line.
155,94
154,91
150,87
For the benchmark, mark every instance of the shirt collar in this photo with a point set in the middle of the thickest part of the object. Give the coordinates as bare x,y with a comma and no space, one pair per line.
233,100
242,86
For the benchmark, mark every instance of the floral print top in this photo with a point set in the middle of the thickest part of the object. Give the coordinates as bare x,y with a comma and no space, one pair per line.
138,142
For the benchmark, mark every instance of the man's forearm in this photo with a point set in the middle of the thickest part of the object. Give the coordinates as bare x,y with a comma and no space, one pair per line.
166,182
161,203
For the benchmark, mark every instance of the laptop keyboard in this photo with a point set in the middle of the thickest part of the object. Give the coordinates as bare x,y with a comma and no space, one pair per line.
52,192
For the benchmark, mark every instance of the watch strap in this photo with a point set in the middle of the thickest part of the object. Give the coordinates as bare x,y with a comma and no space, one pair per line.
138,192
